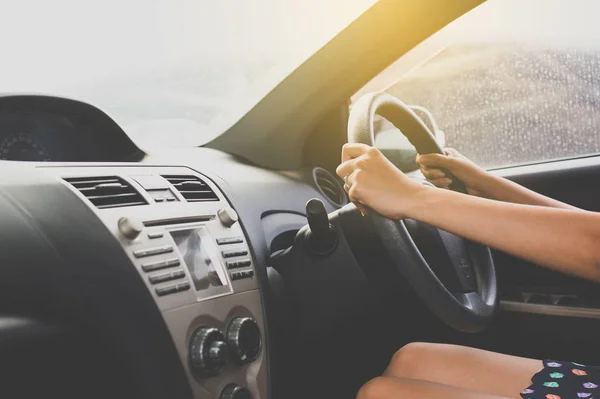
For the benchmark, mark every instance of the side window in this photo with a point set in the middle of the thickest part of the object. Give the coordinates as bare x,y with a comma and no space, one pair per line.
508,93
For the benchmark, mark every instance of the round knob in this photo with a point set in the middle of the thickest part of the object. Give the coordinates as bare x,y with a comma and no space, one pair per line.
130,228
217,353
244,339
208,351
227,216
233,391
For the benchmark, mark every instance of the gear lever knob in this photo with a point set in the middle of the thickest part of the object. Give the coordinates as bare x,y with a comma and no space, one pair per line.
322,239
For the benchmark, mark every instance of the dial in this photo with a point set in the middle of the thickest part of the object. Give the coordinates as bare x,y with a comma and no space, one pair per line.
244,339
233,391
20,146
208,351
130,228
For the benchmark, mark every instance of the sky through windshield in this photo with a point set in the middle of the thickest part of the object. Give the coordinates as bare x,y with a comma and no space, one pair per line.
175,72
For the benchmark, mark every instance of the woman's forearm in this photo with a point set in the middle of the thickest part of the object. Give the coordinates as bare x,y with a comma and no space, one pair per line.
561,239
500,189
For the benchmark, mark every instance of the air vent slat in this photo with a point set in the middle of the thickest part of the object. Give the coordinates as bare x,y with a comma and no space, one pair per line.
106,206
192,188
330,186
107,191
112,196
198,191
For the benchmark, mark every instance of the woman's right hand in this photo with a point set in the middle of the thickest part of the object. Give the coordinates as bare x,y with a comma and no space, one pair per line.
472,176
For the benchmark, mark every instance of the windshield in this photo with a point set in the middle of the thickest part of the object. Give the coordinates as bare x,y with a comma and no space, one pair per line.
170,72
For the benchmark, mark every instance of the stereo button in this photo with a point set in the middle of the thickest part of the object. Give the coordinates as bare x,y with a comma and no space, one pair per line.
238,264
234,253
161,264
229,240
173,262
150,267
166,290
183,287
178,274
236,276
160,278
142,253
247,274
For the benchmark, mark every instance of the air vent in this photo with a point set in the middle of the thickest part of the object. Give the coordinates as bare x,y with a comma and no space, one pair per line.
330,186
107,192
192,188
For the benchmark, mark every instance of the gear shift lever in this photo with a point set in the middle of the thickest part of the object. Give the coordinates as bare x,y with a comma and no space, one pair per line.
321,238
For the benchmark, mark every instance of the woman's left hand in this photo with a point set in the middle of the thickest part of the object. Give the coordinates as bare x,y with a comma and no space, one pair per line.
371,180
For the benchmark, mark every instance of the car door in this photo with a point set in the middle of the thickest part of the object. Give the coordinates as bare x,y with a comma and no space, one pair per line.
546,314
523,103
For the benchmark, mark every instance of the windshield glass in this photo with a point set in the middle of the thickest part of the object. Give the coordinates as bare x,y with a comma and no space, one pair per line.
512,82
170,72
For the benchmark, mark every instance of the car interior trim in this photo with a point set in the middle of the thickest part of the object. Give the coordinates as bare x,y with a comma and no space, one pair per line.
552,310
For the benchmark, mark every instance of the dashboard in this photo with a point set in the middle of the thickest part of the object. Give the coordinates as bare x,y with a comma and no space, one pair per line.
165,254
42,137
51,129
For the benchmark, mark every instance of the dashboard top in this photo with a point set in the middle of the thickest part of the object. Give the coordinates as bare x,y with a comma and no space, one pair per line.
53,129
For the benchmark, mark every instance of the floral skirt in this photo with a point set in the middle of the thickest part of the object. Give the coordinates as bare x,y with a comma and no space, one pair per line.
564,380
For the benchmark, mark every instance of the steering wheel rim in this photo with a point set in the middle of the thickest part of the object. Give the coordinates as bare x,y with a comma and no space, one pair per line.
468,311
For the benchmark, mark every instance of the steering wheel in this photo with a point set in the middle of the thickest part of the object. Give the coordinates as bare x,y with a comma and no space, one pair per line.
453,276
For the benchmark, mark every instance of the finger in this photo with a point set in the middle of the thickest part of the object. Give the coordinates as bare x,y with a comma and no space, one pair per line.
432,173
451,152
350,187
441,183
363,209
434,160
345,168
351,178
353,150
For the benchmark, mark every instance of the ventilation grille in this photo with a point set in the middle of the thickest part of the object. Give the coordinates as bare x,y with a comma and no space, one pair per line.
107,191
329,186
192,188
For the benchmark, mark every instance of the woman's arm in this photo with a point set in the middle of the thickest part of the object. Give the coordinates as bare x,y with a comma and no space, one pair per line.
562,239
480,183
502,189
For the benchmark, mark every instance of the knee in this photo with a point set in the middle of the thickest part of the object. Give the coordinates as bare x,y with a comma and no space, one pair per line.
410,355
373,389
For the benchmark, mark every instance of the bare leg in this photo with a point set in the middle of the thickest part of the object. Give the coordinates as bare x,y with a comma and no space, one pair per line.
400,388
463,367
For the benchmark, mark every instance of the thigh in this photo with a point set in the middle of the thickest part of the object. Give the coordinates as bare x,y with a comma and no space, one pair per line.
464,367
402,388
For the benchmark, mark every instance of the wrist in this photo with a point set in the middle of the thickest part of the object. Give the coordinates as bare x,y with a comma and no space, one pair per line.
483,183
412,205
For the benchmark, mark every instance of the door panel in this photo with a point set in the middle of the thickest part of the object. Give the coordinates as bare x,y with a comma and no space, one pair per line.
545,313
574,181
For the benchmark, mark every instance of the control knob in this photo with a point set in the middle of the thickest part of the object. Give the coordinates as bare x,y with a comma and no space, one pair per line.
244,339
208,351
227,216
233,391
130,228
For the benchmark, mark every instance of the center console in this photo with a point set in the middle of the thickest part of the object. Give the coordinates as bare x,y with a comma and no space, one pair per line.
186,242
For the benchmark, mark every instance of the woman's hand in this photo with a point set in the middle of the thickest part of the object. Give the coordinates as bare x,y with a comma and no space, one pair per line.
472,176
371,180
